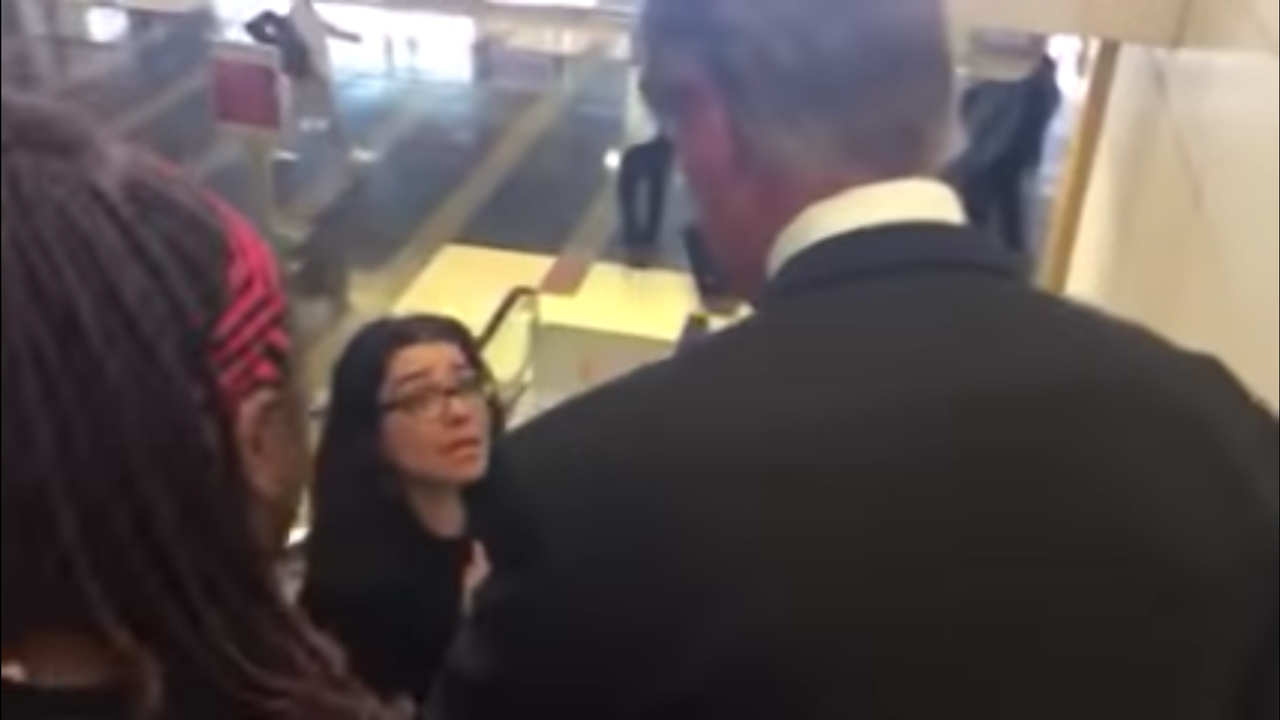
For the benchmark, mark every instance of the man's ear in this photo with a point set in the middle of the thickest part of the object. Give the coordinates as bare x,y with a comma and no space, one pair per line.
271,441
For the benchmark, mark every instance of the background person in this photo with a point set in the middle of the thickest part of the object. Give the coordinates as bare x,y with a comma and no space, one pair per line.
302,37
644,179
317,90
1007,112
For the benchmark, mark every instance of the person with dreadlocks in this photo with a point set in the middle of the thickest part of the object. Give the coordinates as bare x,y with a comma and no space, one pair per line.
152,448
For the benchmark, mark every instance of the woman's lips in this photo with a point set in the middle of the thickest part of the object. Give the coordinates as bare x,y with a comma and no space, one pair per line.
466,447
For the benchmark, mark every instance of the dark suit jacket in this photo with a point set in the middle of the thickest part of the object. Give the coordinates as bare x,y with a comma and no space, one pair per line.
910,488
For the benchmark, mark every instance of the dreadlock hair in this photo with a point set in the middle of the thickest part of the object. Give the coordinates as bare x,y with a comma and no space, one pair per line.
126,514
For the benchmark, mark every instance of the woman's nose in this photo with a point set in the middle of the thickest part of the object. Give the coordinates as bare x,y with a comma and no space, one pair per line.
458,409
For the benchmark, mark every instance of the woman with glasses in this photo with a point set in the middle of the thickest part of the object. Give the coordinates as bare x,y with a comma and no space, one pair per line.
404,510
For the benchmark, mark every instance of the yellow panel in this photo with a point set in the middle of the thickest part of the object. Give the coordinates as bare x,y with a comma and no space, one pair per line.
652,304
469,282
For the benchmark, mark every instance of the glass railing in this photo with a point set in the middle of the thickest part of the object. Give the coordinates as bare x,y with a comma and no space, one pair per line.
509,343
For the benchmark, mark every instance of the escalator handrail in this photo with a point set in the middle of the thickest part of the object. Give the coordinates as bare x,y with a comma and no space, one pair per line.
509,304
505,310
511,394
514,297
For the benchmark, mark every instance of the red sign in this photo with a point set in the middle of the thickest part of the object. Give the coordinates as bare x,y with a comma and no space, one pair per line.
246,88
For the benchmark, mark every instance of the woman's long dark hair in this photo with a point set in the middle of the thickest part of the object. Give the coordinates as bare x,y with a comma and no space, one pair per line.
356,494
126,512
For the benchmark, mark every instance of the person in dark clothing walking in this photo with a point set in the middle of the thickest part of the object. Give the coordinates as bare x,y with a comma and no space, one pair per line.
1006,122
302,38
644,180
272,29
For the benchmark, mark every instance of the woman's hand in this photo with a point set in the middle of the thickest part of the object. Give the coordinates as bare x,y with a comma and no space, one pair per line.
475,576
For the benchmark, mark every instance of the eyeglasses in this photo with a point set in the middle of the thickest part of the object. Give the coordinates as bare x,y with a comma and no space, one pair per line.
434,402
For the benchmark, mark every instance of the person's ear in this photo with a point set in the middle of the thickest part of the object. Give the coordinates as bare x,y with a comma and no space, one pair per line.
271,440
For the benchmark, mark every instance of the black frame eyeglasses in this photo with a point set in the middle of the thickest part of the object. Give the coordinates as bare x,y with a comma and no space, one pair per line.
433,402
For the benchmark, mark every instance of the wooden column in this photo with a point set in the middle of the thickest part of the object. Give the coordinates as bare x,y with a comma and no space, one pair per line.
1073,191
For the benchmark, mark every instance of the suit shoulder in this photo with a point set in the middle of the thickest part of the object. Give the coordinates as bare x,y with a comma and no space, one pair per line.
1136,359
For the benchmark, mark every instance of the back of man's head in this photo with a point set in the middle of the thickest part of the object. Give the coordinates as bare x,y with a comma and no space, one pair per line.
763,93
814,83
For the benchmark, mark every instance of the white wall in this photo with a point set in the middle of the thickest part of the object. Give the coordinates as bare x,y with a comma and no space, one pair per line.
1180,229
1150,21
175,6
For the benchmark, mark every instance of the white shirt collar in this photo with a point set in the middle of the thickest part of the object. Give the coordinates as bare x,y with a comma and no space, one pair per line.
915,200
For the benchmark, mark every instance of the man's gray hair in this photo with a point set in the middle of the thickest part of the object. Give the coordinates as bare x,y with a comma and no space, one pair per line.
813,85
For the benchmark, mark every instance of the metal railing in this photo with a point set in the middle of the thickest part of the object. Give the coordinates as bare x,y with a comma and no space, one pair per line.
509,343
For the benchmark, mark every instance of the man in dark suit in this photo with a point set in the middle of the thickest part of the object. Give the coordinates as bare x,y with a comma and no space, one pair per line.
911,487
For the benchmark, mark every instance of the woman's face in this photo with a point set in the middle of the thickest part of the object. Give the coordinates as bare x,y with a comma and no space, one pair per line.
436,423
